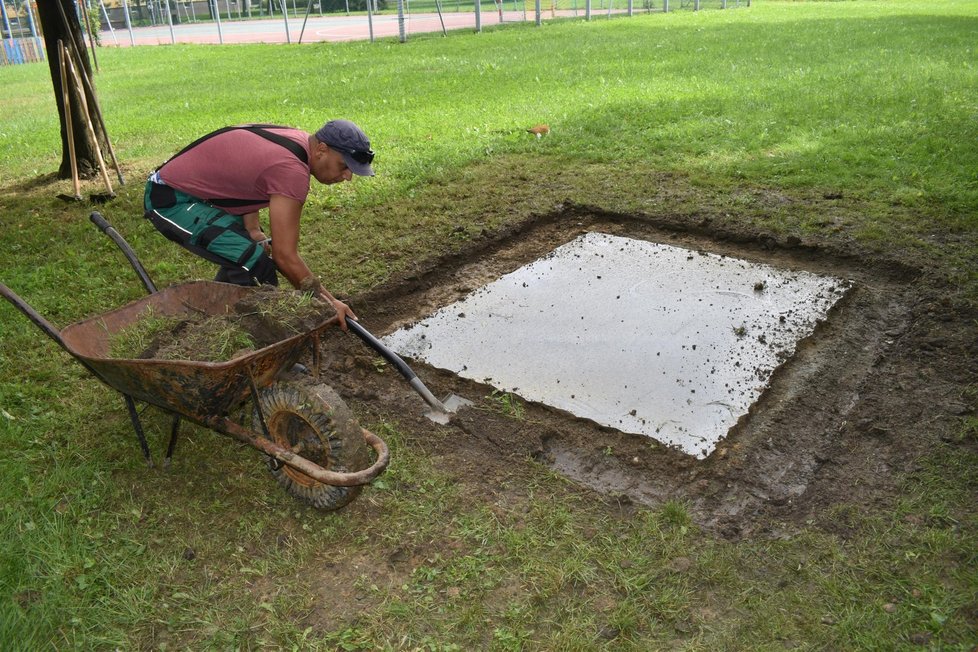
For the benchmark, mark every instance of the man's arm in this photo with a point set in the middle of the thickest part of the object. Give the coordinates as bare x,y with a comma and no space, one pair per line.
252,225
283,220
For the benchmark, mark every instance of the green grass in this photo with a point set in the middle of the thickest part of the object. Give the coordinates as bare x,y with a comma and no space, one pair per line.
793,95
877,100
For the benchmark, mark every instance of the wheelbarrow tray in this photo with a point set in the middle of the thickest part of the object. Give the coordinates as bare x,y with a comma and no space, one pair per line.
194,389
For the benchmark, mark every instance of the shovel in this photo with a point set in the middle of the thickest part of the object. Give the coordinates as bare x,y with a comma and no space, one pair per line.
441,411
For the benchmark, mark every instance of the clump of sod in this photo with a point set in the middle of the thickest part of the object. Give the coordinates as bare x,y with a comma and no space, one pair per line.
262,317
217,338
271,314
133,340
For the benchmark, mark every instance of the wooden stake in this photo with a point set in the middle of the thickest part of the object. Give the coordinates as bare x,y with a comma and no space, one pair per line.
90,89
88,123
68,125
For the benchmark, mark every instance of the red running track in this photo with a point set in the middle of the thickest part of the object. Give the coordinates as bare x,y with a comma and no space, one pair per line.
318,28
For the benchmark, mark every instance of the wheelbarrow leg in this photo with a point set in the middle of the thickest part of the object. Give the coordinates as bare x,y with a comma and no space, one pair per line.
173,441
138,427
273,463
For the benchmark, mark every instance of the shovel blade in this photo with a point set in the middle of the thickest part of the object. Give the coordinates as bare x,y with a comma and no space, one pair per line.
452,404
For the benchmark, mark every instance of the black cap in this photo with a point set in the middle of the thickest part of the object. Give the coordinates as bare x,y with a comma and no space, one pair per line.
350,141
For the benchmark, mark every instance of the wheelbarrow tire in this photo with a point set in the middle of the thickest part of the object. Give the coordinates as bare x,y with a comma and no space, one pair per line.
313,421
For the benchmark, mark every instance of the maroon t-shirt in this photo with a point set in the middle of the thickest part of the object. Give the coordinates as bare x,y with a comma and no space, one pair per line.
239,164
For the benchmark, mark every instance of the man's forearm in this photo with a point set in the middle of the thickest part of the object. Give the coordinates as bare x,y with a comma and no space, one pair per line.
251,221
292,267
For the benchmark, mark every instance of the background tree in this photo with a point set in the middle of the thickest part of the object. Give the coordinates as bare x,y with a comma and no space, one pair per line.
60,22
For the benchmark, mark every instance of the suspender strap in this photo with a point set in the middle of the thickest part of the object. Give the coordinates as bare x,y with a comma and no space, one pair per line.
258,130
279,139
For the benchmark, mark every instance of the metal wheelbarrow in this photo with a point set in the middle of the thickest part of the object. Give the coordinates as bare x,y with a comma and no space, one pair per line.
316,450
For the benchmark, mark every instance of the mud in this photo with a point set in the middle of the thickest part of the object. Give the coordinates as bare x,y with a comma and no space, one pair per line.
872,389
643,337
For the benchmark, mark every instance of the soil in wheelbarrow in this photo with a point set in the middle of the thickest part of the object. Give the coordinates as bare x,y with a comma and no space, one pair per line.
259,319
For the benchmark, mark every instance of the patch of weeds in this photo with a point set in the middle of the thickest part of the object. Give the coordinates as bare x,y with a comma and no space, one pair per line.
270,314
969,430
507,638
970,392
676,514
626,618
260,318
293,310
350,639
506,403
940,515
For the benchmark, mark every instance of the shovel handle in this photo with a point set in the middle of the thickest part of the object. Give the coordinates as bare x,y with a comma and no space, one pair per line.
437,406
379,347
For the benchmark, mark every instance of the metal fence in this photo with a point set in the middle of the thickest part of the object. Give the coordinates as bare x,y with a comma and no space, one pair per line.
20,34
156,22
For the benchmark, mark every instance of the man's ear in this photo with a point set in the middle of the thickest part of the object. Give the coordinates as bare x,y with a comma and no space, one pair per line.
316,150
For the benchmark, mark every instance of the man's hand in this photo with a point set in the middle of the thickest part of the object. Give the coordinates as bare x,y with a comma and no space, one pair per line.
343,312
259,236
312,285
253,226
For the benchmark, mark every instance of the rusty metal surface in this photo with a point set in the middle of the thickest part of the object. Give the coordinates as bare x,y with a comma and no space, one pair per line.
196,390
313,470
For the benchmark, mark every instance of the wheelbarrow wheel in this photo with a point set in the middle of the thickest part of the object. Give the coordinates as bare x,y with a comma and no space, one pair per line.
314,422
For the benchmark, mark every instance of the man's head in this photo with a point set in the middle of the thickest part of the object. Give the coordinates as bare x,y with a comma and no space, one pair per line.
350,143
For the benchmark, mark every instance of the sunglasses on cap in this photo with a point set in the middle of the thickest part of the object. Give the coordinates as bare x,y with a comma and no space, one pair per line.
365,156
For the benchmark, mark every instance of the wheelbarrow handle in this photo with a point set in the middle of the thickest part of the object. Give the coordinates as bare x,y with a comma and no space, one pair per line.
49,329
127,251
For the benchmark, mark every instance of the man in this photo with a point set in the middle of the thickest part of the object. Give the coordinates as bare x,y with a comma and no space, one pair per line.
206,198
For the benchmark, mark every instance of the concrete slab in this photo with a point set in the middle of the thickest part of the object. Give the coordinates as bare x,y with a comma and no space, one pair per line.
646,338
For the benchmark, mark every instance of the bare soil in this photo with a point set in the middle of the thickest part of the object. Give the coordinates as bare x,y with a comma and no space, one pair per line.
843,421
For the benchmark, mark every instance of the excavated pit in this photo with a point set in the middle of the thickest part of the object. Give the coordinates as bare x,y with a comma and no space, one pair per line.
768,456
646,338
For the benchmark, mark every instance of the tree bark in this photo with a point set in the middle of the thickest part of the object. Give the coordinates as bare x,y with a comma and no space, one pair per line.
60,22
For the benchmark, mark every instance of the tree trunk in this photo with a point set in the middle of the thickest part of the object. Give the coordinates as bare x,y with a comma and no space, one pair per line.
60,22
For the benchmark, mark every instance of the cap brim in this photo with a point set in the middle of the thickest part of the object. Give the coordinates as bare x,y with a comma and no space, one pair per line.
357,168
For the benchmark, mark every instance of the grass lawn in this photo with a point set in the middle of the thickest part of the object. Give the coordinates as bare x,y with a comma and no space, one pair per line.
681,114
